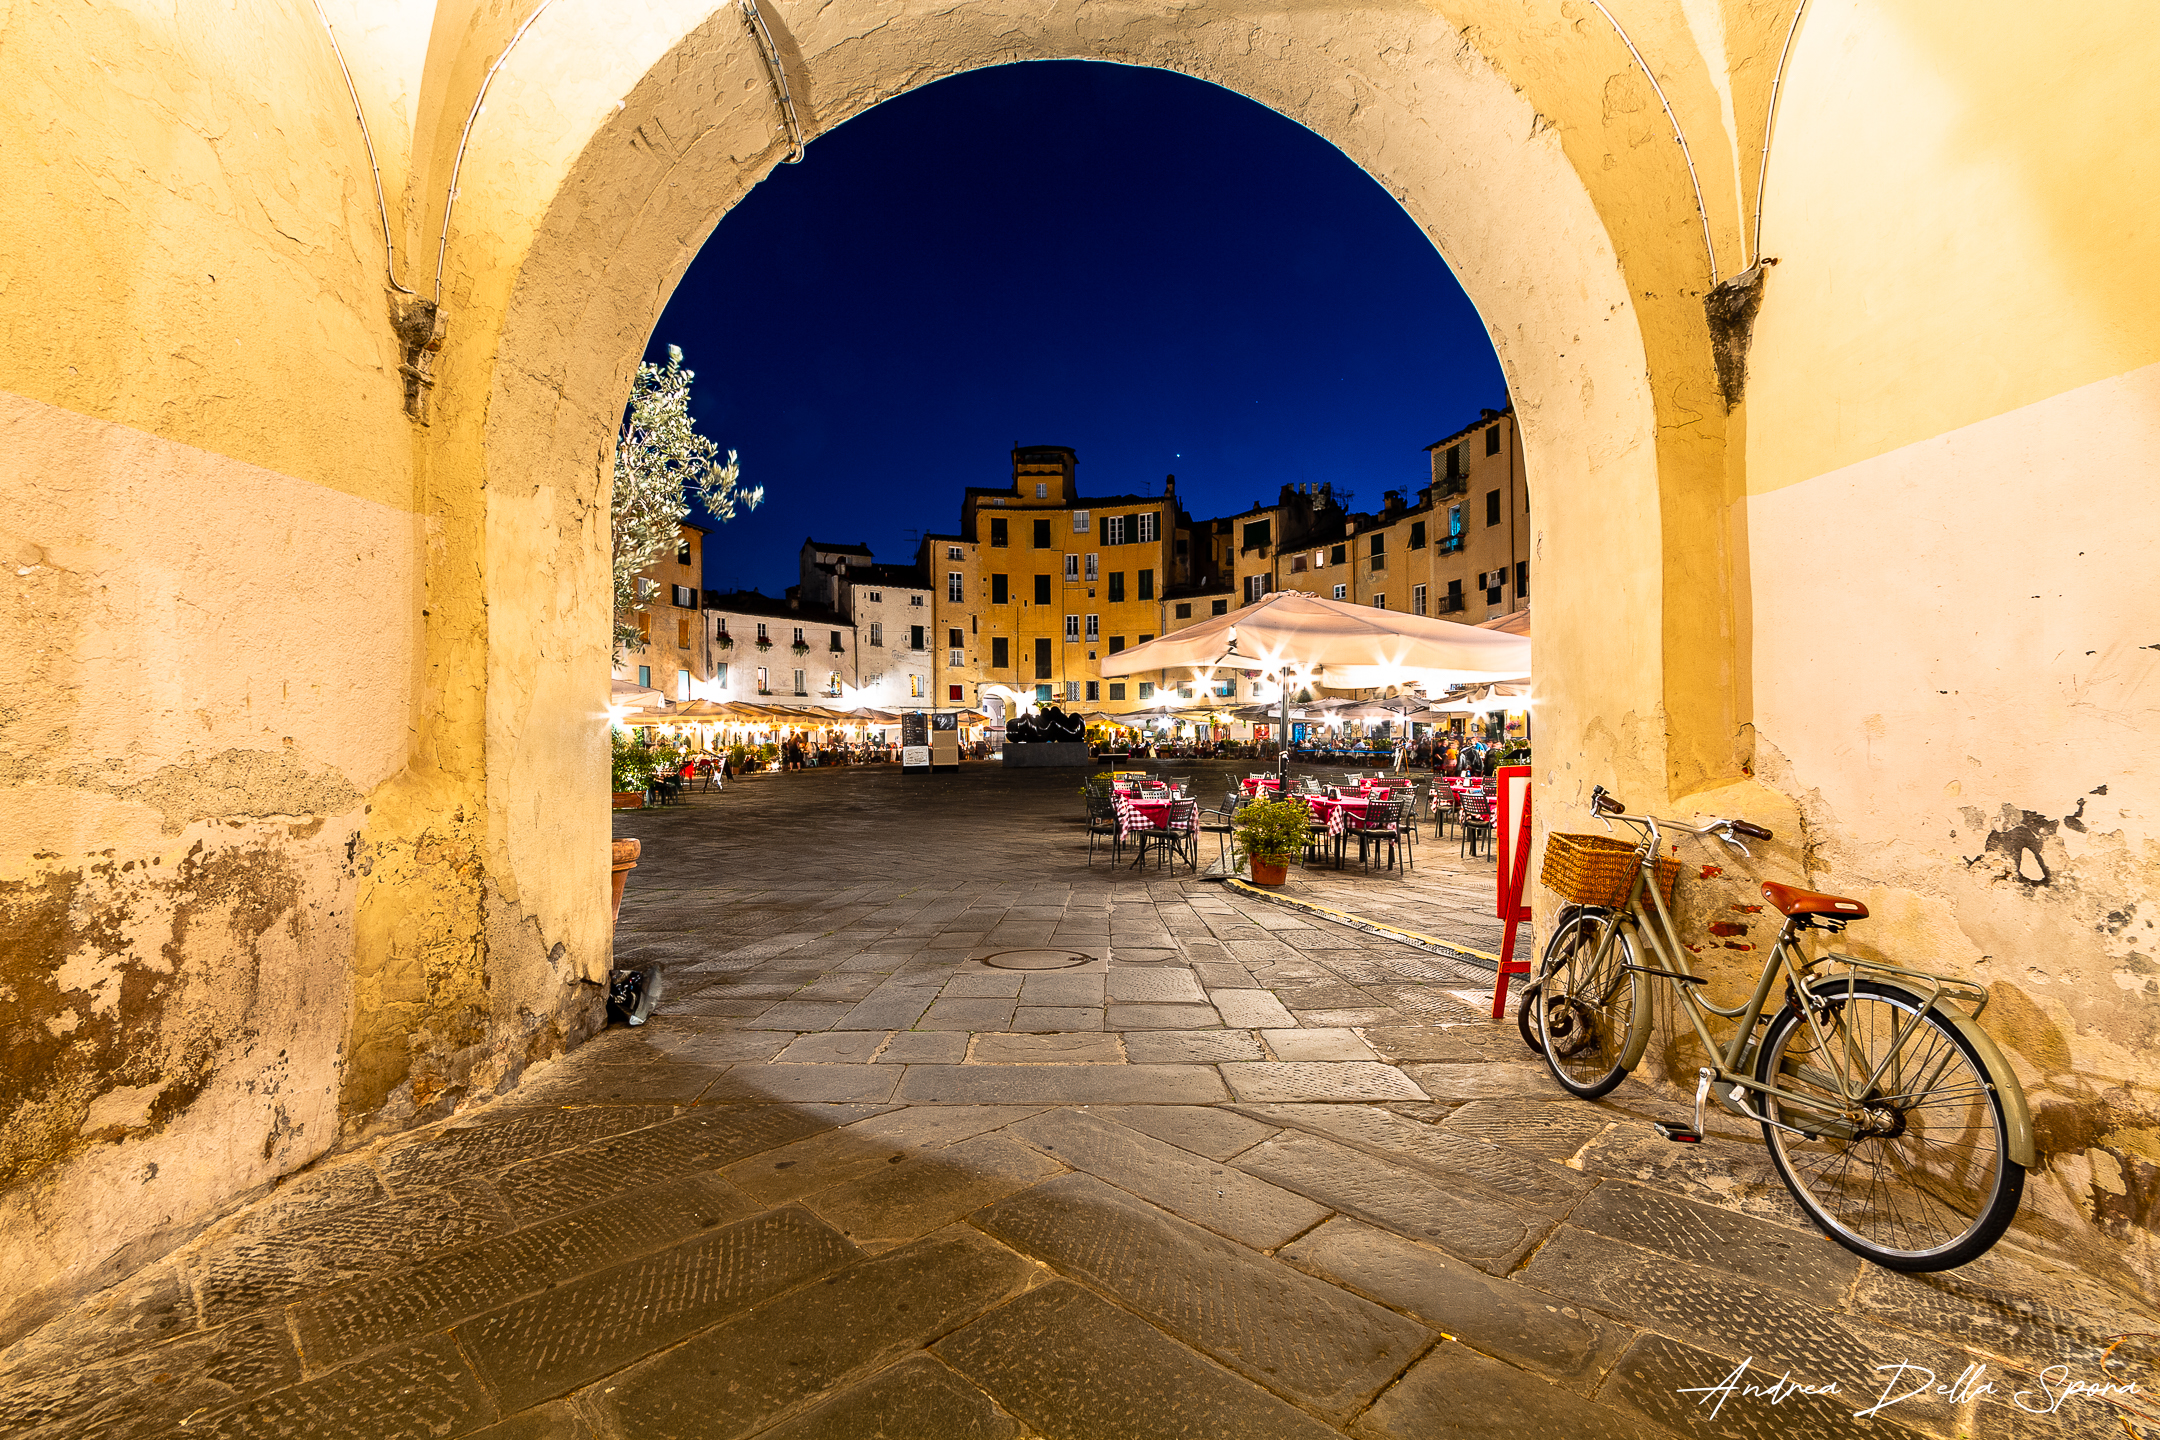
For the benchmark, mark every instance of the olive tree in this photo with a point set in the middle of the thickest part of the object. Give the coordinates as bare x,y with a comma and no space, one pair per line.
660,461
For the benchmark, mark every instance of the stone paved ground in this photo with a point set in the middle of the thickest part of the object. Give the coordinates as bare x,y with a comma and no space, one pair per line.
1238,1174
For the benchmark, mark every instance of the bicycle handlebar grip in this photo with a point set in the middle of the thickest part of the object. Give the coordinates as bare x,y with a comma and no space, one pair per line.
1608,805
1753,832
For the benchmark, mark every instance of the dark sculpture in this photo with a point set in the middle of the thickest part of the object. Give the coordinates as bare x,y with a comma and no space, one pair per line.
1047,724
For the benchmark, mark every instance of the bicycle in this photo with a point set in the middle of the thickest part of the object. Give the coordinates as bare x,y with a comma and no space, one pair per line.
1890,1115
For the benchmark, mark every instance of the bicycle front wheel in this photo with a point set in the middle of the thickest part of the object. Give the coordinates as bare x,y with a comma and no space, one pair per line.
1586,1004
1915,1174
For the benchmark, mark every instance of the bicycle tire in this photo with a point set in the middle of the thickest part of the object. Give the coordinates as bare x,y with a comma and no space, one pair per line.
1588,1005
1934,1186
1526,998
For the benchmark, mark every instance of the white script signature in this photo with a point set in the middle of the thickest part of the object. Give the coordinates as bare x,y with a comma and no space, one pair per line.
2055,1389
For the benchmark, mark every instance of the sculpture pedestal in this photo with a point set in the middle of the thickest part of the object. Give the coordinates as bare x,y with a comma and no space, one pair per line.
1044,754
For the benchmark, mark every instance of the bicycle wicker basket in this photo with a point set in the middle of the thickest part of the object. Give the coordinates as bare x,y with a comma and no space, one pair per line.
1598,869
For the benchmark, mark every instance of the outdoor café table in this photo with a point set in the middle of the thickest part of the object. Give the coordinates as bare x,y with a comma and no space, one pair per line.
1335,813
1253,787
1135,814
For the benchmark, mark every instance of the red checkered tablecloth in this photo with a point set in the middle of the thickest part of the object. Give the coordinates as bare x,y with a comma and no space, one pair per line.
1253,787
1334,814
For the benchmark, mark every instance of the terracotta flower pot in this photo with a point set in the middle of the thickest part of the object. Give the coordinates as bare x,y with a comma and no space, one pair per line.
626,857
1270,872
629,799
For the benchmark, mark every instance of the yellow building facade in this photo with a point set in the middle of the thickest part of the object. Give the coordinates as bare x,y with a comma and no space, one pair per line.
1842,415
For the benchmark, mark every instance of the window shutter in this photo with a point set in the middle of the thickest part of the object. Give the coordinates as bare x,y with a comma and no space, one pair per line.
1103,526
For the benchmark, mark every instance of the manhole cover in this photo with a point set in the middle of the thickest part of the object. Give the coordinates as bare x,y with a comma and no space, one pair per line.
1037,959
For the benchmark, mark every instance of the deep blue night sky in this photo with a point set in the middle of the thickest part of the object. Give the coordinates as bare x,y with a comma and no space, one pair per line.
1159,273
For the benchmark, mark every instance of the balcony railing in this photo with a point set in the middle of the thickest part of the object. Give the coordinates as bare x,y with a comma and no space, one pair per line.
1450,604
1451,544
1452,486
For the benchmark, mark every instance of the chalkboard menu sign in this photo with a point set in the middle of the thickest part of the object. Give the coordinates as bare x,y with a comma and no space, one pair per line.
914,729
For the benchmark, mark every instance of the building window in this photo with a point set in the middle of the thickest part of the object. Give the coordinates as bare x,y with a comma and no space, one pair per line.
998,533
1042,589
1256,535
836,647
1042,694
761,631
1094,689
1072,569
1417,599
956,658
684,597
954,552
1379,602
800,687
1072,689
832,683
877,632
1297,564
1255,587
682,551
1113,530
1000,652
1094,569
915,638
1147,690
1072,629
1147,584
1147,527
954,583
682,632
1494,584
1042,658
720,676
1522,579
1000,593
955,637
871,682
1492,440
1342,592
1417,535
764,681
1042,492
798,636
644,676
877,597
1220,607
1117,586
1452,603
954,692
1080,522
1042,534
1117,690
1226,689
1492,507
1145,638
914,687
915,600
1454,462
1094,628
1184,610
1117,643
1378,547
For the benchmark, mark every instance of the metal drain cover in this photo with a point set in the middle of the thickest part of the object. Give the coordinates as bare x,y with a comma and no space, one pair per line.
1037,959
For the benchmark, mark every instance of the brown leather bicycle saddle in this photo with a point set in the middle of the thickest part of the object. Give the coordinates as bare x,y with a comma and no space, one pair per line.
1792,900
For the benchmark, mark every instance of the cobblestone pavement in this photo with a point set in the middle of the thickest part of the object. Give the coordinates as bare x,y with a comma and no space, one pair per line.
1236,1174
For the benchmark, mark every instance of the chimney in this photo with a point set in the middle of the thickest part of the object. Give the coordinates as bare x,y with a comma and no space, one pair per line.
1169,484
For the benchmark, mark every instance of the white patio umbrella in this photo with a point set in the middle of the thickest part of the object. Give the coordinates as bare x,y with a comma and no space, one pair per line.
1350,646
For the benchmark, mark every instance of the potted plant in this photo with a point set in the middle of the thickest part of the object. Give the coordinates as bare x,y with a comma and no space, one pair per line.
1270,833
764,642
724,640
630,770
801,647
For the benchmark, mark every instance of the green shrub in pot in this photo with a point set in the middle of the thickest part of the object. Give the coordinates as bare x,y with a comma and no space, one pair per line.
1276,831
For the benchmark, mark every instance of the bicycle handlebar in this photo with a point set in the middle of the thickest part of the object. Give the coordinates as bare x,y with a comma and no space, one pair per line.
1603,803
1753,832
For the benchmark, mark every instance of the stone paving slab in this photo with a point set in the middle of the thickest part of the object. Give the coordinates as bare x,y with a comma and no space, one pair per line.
782,1083
1075,1367
1149,1016
1805,1261
792,1171
911,1195
410,1303
1138,1083
552,1343
1494,1317
124,1396
917,1397
703,1140
1345,1080
1204,1130
1456,1394
1191,1047
1207,1192
1315,1343
1530,1184
747,1373
1410,1202
1296,1045
1055,1049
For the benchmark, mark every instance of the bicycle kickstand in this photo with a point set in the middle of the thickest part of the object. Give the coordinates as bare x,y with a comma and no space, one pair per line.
1674,1130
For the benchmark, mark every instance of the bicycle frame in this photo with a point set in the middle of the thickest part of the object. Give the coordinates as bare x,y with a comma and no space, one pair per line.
1654,924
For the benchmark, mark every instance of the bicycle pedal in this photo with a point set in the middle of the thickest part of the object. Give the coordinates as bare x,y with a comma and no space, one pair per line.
1673,1130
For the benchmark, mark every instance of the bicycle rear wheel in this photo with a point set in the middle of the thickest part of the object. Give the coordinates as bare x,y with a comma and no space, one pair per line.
1918,1176
1586,1005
